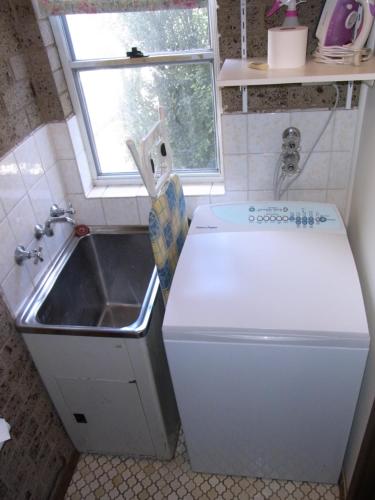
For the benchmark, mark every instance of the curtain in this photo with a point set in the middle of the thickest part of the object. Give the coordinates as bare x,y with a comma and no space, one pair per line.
62,7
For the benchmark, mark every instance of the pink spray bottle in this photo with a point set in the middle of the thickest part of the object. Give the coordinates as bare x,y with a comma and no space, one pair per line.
291,17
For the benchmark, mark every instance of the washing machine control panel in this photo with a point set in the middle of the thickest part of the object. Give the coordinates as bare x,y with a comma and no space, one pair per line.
291,215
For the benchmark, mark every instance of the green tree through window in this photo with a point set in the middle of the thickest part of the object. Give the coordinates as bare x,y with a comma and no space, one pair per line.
123,101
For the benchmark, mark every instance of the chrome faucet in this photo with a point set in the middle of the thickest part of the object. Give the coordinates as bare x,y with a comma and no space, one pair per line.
22,254
56,211
57,214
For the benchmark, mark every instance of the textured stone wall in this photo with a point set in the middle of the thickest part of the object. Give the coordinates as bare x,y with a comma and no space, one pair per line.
273,97
33,463
29,88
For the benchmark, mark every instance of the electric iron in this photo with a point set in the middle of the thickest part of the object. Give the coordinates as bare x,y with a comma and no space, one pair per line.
343,30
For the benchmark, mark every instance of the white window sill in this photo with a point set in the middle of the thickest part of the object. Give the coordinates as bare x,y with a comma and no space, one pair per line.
190,190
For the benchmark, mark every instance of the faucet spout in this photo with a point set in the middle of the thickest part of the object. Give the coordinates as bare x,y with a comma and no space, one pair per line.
46,229
61,218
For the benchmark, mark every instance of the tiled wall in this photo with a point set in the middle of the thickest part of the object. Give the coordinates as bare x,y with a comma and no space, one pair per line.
30,183
252,144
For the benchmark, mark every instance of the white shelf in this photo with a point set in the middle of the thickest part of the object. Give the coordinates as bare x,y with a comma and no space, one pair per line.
236,72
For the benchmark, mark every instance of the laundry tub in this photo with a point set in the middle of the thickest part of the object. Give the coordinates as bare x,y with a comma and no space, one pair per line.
93,328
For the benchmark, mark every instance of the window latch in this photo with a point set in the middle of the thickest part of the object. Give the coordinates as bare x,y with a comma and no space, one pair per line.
135,53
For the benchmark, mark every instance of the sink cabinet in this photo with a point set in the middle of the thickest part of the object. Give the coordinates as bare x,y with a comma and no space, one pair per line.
114,395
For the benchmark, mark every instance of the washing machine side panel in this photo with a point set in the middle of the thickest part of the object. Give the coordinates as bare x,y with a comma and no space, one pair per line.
266,411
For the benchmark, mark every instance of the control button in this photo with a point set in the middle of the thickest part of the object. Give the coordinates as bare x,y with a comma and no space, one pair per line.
278,218
304,222
298,220
251,218
266,218
272,218
252,209
285,209
311,220
291,218
285,218
259,218
304,218
322,219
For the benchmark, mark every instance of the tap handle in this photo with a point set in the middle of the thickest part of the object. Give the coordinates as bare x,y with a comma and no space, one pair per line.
21,254
56,211
70,210
37,254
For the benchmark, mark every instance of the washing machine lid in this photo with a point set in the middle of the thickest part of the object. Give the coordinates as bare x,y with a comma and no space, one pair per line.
288,286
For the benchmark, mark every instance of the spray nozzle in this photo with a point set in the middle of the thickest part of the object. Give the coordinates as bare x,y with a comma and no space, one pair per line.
291,4
275,7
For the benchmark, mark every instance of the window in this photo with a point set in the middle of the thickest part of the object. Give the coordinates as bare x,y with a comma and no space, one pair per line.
119,97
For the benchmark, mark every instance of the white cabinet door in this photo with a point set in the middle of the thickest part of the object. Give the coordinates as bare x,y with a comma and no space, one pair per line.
105,416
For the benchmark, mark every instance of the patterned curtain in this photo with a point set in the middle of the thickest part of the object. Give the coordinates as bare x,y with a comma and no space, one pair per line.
62,7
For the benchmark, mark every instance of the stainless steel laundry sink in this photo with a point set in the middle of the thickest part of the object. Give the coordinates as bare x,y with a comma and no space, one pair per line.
103,283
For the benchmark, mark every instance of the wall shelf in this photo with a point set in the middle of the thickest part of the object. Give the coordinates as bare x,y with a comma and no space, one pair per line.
235,72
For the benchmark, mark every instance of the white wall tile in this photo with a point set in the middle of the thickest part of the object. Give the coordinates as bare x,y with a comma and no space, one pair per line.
37,270
41,200
121,211
70,175
229,197
261,170
315,173
144,207
12,187
265,131
2,211
8,245
84,171
192,202
55,184
22,221
88,212
61,140
340,170
235,172
339,198
29,161
45,147
53,244
260,195
75,135
17,286
234,130
344,130
310,124
316,195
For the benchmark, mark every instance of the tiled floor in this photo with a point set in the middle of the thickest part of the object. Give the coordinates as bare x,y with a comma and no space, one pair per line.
107,477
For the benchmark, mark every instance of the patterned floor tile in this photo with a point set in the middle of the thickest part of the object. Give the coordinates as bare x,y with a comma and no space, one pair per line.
110,478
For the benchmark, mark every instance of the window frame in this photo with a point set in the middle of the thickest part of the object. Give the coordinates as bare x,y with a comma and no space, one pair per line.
71,68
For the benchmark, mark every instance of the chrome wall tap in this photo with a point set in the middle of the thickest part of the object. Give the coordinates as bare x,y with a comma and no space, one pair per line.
57,214
22,254
56,211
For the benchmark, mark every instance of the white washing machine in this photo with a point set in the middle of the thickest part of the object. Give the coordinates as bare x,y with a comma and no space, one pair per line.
266,337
